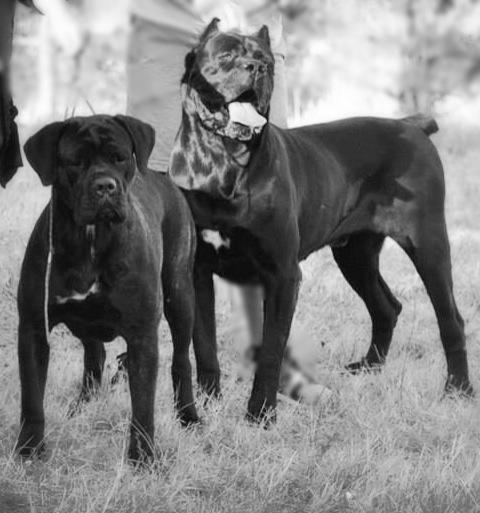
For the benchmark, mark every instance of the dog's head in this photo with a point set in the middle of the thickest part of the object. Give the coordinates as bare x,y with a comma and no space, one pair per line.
91,162
230,68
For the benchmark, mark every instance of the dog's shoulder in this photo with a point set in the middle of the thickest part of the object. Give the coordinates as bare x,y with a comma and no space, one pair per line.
35,258
155,187
39,236
159,199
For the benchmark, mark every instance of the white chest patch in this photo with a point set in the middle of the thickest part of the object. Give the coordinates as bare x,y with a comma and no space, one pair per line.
79,296
215,239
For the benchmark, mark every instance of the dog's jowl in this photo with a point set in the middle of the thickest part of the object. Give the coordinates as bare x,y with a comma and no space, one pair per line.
278,195
123,244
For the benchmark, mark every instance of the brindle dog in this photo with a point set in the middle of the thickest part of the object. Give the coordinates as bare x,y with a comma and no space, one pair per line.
275,196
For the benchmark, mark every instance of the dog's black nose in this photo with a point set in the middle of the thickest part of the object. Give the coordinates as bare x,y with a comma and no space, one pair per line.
104,186
255,67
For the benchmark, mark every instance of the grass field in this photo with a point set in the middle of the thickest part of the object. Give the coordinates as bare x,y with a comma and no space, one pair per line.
387,443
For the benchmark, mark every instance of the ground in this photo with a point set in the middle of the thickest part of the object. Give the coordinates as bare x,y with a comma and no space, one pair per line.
387,443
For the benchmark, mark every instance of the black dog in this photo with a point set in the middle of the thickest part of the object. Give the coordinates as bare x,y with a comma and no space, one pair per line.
123,247
275,196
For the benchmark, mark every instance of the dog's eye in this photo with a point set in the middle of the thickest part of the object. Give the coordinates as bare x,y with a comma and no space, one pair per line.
119,159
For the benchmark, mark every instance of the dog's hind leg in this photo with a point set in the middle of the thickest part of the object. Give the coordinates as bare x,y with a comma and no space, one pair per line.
358,261
431,257
94,360
179,307
204,333
93,363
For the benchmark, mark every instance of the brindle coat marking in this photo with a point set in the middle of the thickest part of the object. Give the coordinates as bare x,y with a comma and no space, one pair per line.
346,184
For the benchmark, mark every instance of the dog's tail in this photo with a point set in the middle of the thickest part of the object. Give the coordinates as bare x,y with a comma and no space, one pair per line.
426,123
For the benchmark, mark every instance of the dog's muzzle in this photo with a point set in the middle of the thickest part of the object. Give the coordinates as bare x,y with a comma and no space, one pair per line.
103,201
104,187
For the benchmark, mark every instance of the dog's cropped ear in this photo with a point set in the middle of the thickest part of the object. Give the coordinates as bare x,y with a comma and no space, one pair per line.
142,136
189,65
41,151
264,35
211,30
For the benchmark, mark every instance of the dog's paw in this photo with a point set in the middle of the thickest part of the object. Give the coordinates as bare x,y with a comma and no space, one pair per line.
121,374
458,386
77,405
261,412
209,384
189,417
363,366
74,408
141,456
30,447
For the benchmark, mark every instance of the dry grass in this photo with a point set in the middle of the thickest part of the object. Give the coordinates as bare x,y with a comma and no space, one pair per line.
388,443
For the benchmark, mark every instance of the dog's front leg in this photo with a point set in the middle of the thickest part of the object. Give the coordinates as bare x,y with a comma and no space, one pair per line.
280,299
142,365
33,357
204,332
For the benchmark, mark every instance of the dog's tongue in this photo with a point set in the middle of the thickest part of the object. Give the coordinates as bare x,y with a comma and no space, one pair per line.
246,114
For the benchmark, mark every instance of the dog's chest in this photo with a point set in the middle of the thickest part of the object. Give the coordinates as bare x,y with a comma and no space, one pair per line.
87,313
75,283
234,254
215,239
81,297
76,295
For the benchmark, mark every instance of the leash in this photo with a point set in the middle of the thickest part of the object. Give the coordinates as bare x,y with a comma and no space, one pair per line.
48,270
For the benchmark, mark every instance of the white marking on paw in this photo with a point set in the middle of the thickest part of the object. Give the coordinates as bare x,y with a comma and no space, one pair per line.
215,239
79,296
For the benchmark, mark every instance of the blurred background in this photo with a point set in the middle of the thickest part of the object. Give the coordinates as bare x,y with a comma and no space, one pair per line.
376,57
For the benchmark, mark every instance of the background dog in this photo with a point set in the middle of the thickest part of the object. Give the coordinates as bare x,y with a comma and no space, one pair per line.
275,196
123,244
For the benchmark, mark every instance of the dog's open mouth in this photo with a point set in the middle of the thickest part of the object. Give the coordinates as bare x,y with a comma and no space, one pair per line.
244,110
248,96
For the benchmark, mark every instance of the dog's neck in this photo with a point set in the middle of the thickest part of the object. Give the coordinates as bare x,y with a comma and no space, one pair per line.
82,245
204,157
